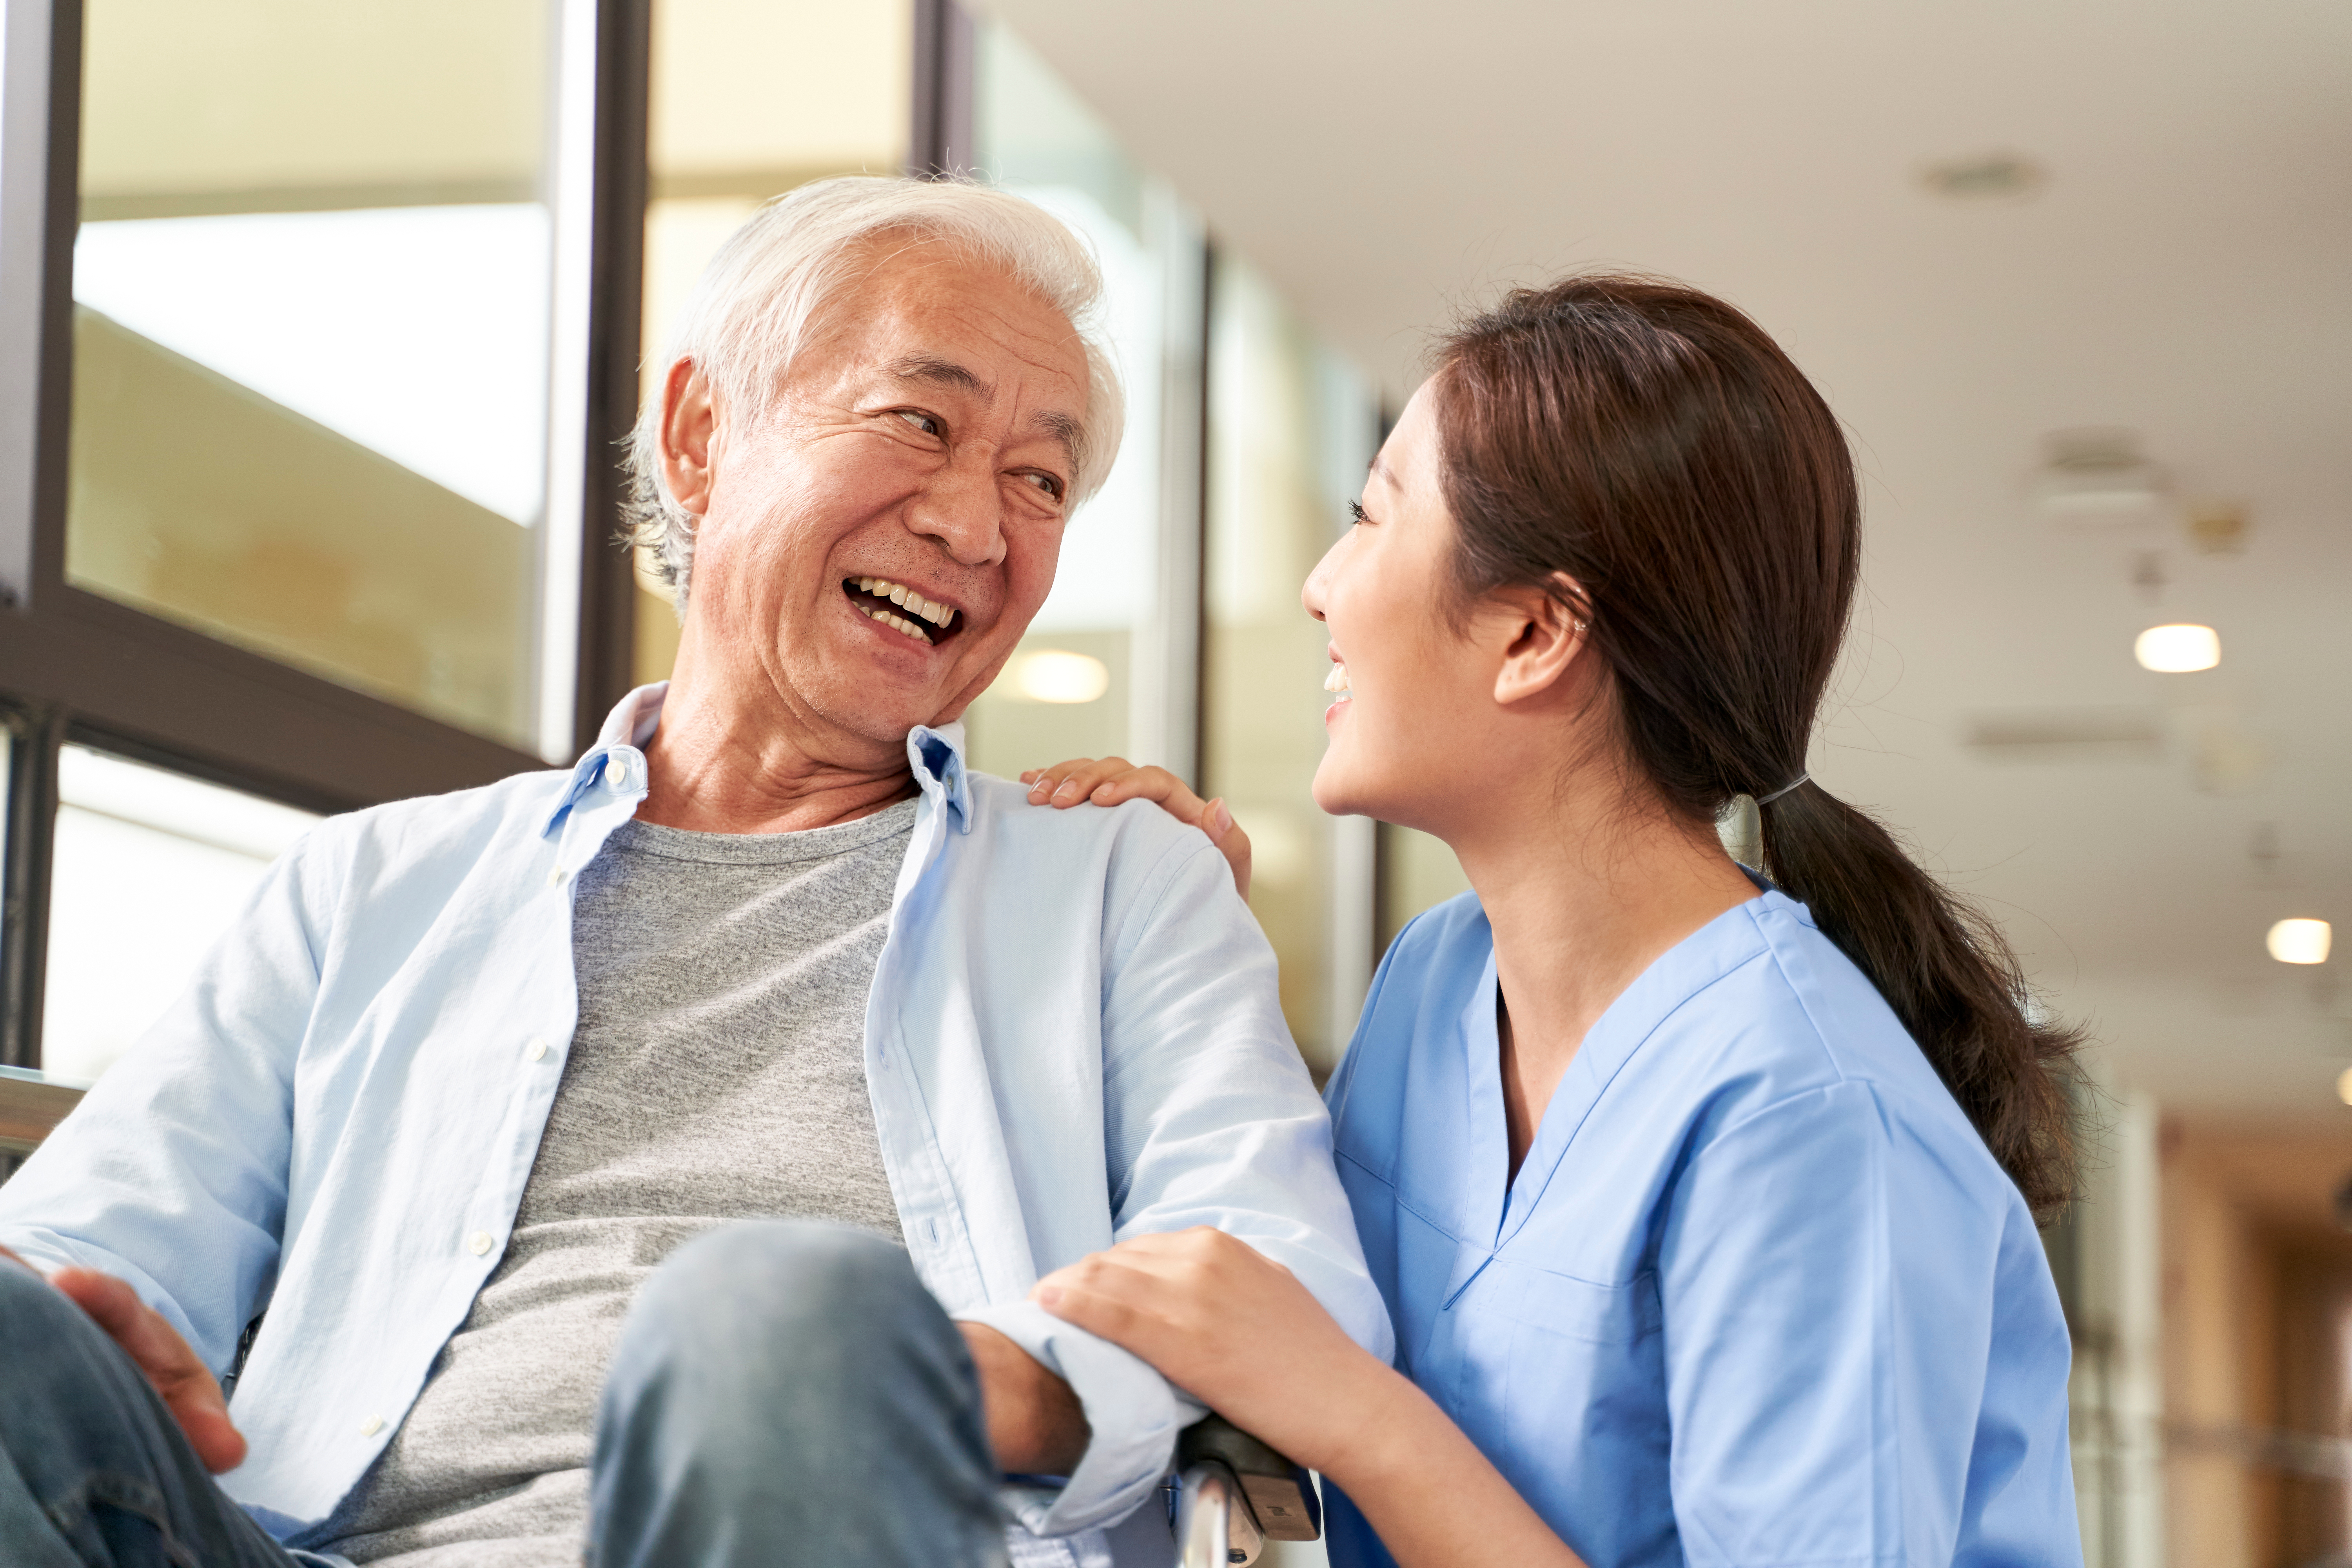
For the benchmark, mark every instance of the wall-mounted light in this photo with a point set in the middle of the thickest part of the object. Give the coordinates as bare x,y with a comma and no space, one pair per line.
2176,649
1054,675
2299,942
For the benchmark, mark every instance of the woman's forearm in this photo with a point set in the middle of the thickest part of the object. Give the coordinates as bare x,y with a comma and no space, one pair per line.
1431,1494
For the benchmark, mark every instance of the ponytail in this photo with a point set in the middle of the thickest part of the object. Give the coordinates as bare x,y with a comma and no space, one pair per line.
1948,974
1655,446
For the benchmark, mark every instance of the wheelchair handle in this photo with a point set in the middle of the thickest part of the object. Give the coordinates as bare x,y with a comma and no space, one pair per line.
1236,1492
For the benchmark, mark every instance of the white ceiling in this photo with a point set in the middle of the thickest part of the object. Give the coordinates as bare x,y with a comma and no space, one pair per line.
2186,272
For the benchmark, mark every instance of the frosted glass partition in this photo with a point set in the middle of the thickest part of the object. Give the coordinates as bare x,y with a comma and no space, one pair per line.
312,292
152,866
1291,432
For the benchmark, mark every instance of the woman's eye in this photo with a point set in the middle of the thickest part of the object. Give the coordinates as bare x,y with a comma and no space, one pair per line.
1047,482
926,423
1356,512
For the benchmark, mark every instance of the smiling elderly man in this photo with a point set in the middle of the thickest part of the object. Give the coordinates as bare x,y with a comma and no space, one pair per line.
654,1158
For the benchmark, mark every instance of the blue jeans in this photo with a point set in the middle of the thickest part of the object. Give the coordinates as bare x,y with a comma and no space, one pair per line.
785,1392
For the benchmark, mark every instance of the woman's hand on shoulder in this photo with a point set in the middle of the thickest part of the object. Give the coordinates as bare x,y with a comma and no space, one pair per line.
1111,781
1234,1328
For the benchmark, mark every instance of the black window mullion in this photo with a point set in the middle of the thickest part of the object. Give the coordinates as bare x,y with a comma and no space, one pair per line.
34,736
617,305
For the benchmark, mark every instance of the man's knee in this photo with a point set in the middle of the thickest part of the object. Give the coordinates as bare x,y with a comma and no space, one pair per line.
799,1304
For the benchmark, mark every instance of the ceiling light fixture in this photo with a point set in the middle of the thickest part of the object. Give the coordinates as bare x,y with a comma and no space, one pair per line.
1986,175
1054,675
2178,649
2098,479
2299,940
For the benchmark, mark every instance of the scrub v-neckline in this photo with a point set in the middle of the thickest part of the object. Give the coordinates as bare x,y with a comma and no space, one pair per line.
1499,1203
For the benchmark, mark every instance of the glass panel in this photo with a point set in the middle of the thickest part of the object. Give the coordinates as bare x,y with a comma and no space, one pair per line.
1291,430
151,867
1072,689
750,98
311,329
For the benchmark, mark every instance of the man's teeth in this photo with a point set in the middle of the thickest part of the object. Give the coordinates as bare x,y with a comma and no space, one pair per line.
1336,680
938,615
897,623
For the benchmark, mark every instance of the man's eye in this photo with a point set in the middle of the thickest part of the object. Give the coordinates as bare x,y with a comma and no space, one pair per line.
928,424
1047,482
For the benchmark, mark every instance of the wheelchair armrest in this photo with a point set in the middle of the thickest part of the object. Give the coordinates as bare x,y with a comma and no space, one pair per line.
1278,1493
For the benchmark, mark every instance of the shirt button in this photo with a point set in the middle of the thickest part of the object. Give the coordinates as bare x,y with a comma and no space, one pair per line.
555,878
479,1242
536,1051
371,1426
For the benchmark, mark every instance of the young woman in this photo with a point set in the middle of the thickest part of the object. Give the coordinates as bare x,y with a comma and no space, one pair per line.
1703,1199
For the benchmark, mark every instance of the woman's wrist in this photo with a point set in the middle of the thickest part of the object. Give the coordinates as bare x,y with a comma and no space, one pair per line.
1375,1426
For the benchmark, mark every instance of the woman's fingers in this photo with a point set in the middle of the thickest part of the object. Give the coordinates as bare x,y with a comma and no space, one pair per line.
157,1350
1231,842
1064,785
1114,781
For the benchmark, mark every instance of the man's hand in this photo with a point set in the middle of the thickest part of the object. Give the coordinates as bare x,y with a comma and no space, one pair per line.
1036,1423
1113,780
157,1350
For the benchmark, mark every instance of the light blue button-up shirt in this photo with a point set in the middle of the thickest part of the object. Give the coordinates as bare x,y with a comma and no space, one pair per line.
1758,1294
1073,1037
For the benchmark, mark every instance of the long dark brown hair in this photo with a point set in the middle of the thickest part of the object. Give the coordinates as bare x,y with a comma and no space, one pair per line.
1655,446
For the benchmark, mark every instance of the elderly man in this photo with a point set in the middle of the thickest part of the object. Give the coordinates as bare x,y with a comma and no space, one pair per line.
654,1159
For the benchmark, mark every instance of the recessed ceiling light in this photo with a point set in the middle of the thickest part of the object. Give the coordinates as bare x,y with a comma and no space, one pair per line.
2299,942
2178,649
1054,675
1986,175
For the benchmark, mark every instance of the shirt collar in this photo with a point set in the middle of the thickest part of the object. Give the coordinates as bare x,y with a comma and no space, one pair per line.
935,753
936,757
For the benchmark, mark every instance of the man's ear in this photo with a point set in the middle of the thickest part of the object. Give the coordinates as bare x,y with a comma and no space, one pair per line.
1546,638
689,420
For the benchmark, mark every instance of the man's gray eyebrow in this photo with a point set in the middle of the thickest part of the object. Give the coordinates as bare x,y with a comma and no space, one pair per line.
939,372
1068,431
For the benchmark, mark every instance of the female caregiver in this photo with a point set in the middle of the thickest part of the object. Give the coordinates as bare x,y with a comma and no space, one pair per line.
1704,1205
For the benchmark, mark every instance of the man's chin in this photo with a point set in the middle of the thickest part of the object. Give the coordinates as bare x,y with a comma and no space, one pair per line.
875,713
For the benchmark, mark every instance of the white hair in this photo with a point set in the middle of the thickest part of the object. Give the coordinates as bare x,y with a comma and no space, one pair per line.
752,312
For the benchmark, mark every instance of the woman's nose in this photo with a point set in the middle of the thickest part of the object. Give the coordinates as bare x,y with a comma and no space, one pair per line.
1319,583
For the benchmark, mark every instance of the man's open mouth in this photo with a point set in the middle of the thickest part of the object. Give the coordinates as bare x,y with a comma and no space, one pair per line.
901,609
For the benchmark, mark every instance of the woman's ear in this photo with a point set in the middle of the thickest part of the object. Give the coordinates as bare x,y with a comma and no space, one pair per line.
690,418
1546,638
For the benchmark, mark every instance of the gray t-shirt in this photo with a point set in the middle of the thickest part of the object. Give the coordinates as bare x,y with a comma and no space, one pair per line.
717,1073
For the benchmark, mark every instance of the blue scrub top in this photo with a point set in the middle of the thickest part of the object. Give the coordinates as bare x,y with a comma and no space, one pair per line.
1758,1296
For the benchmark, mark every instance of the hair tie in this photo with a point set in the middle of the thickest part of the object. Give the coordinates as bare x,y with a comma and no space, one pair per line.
1768,799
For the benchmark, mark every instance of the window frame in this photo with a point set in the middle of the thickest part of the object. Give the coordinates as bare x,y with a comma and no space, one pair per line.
75,666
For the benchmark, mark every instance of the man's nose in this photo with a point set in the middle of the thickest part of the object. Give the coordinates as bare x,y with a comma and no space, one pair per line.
960,509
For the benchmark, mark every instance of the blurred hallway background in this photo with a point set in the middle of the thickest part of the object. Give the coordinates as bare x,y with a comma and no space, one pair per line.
317,324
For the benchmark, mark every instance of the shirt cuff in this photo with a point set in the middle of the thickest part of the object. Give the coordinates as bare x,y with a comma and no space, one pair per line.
1132,1413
